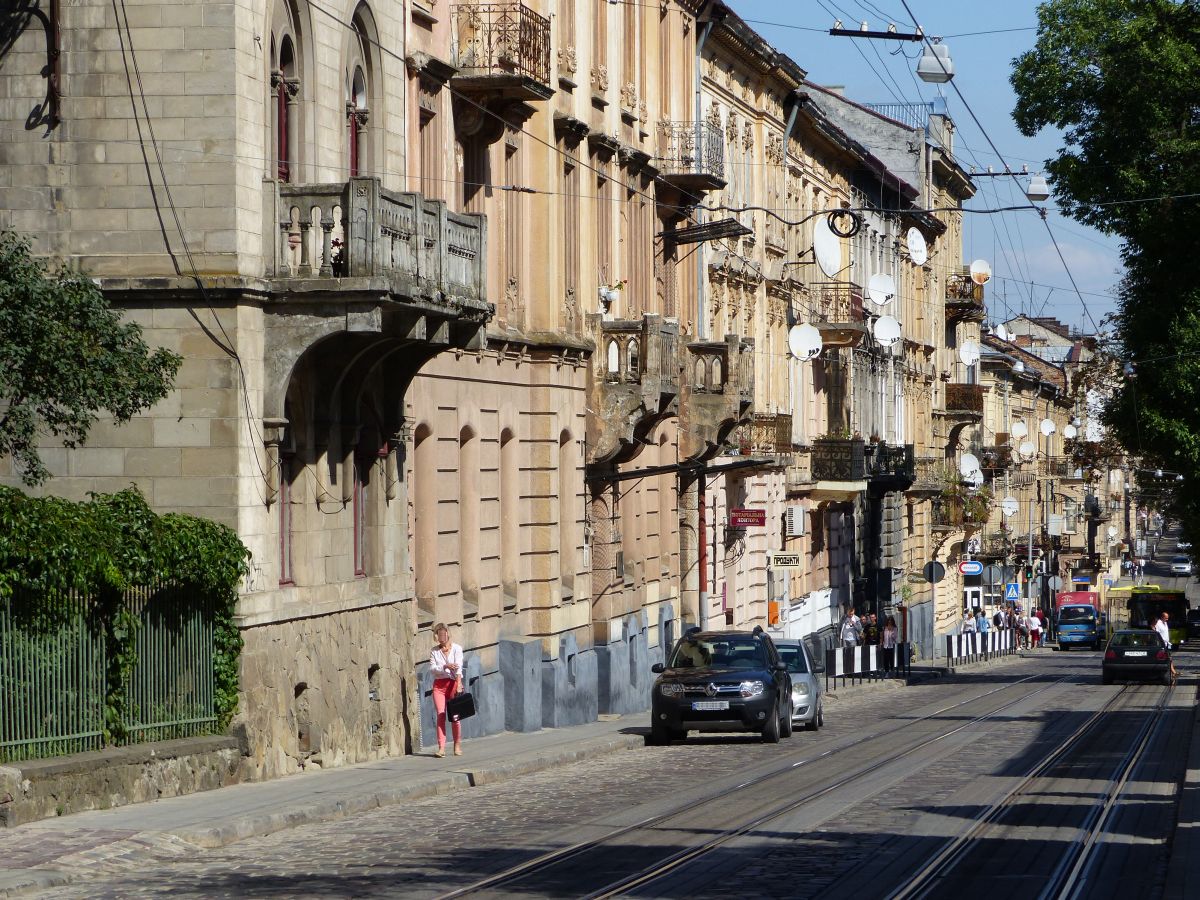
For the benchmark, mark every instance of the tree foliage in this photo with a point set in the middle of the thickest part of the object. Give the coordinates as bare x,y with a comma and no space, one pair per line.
1121,78
65,359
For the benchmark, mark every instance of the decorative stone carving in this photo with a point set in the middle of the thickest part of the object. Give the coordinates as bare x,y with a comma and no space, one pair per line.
567,59
643,114
731,128
629,96
774,149
600,78
748,135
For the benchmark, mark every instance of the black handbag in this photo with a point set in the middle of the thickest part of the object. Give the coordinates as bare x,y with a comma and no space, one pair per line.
461,706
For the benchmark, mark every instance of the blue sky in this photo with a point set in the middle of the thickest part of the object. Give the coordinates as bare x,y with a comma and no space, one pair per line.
1029,276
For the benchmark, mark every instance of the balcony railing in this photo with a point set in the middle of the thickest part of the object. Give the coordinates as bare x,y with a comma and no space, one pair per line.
995,460
841,302
692,152
1063,467
501,40
929,475
637,349
891,462
964,398
358,229
964,298
839,459
765,433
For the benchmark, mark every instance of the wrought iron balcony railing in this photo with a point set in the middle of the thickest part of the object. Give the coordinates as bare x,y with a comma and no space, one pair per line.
895,462
1064,468
692,154
839,459
964,399
765,433
503,40
964,298
841,302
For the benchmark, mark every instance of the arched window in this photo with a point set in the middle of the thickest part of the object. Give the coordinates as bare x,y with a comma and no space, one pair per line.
718,376
285,90
613,359
633,360
356,122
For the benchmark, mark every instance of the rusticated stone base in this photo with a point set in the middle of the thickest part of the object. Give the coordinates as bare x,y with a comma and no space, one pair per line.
328,690
103,779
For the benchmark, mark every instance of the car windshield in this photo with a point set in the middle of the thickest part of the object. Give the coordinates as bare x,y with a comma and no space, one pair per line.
1136,639
1069,615
1180,559
794,657
735,653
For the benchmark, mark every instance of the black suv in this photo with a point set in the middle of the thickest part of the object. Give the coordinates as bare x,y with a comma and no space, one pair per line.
722,681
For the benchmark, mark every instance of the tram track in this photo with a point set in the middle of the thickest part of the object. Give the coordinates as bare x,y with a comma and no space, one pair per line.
573,855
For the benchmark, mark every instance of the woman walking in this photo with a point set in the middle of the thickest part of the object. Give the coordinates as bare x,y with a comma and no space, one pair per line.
446,663
887,642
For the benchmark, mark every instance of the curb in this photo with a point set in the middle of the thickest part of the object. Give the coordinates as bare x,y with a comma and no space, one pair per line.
14,884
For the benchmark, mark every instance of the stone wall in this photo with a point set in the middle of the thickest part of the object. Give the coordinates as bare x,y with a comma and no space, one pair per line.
103,779
329,690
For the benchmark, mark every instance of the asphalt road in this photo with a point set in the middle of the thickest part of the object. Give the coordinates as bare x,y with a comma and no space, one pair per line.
971,771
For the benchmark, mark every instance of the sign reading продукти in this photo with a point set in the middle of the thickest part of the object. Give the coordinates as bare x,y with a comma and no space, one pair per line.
783,560
747,518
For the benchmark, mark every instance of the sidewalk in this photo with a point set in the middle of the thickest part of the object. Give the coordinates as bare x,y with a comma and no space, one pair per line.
53,852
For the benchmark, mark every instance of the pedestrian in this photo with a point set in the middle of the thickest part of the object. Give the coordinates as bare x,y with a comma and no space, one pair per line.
871,630
998,619
1035,629
1023,631
1163,629
446,663
851,630
968,625
887,642
981,621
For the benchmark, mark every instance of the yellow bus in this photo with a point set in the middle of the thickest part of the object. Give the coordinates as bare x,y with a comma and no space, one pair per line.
1144,605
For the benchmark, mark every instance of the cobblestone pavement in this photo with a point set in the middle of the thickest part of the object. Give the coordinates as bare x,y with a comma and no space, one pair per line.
424,848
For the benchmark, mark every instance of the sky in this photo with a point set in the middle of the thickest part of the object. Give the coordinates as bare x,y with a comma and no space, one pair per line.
1028,275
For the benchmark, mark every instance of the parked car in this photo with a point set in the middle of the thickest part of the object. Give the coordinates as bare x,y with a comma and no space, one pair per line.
1183,545
722,681
1181,565
808,707
1136,653
1192,618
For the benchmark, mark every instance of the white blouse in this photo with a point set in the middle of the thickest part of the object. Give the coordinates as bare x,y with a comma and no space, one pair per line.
439,662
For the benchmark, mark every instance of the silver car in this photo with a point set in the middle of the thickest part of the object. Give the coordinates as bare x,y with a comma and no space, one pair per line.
1181,565
808,707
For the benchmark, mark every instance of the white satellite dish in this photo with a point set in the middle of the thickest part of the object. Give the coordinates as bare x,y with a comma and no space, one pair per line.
1069,432
981,271
918,250
881,288
804,341
969,352
968,463
1009,506
827,247
1002,333
1112,531
1027,449
975,478
1047,427
1018,367
1019,430
887,330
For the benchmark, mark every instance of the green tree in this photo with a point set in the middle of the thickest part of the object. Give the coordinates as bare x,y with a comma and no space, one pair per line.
65,358
1121,78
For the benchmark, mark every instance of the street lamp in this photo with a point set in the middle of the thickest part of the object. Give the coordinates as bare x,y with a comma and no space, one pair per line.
935,66
1038,190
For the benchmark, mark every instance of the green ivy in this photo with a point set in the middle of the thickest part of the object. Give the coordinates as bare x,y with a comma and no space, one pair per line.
51,549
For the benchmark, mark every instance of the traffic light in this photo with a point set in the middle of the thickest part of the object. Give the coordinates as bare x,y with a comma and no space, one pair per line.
1029,573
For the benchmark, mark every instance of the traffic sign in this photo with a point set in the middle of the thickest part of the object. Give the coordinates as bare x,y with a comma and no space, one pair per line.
970,567
743,518
934,572
993,574
783,560
1012,591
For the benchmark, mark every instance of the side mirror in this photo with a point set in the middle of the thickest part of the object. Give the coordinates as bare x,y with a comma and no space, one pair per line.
658,668
818,668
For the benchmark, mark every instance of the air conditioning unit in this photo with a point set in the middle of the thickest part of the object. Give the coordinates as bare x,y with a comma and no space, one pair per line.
794,518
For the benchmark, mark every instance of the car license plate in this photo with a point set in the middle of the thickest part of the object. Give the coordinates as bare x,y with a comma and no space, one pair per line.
710,704
1135,652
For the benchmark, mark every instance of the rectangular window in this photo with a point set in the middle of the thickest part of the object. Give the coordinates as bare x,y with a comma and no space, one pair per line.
359,511
286,575
513,243
429,170
570,189
603,224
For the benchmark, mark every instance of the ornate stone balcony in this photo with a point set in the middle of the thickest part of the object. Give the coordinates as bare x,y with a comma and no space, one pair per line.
840,317
929,476
635,384
891,467
766,434
691,156
964,298
718,394
381,270
502,51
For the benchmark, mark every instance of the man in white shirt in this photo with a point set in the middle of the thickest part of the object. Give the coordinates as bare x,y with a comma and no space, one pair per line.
851,631
1163,629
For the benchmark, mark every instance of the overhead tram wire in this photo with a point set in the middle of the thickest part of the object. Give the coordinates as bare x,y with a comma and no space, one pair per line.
992,144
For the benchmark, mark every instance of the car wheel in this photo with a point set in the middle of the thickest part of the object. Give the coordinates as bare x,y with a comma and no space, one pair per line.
1106,679
659,735
785,725
820,717
1166,678
770,734
680,735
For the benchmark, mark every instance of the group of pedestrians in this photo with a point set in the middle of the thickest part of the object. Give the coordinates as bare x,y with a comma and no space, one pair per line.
1030,629
867,630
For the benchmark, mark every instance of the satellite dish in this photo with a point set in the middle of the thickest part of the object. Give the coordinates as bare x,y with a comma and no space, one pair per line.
1002,333
975,478
1112,531
1069,432
827,247
981,271
969,352
918,250
967,464
804,341
1018,367
887,330
881,289
1009,506
1027,449
1047,427
1019,430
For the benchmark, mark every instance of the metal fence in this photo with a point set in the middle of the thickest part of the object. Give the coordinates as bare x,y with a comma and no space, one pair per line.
54,678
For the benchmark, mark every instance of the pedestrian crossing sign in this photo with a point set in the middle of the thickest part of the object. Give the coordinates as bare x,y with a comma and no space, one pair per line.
1012,591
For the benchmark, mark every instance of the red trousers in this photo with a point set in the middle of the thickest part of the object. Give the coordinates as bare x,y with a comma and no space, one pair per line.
445,689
